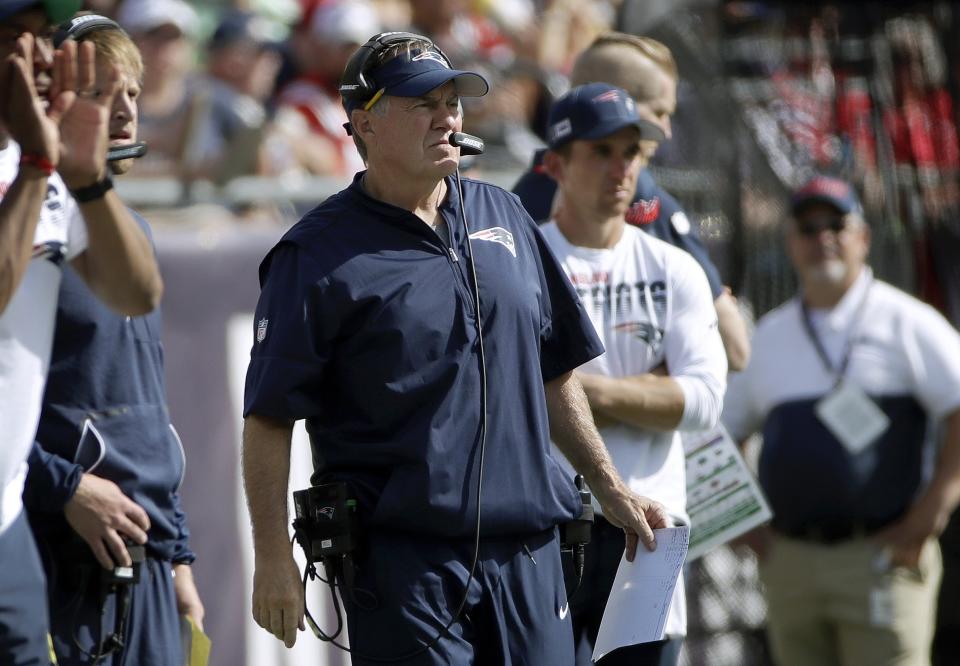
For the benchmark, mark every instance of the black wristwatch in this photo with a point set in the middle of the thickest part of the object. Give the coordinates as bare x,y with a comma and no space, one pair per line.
93,192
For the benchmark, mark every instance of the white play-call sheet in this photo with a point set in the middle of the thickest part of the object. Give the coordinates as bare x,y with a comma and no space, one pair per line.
637,608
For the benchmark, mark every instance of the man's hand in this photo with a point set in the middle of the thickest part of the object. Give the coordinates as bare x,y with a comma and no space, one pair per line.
102,515
905,538
188,599
637,515
278,596
31,123
85,127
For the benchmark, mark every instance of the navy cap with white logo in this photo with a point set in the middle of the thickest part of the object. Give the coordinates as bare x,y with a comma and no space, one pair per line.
828,190
593,111
417,73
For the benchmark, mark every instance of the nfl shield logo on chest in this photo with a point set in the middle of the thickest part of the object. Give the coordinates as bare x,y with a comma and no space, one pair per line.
261,329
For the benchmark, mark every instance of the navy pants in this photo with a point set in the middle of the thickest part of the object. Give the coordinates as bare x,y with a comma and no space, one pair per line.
408,587
602,558
80,620
23,611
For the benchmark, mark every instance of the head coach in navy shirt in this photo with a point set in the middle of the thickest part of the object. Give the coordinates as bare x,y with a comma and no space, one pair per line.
431,364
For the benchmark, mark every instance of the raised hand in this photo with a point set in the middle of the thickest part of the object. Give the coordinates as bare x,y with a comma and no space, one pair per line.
85,127
30,120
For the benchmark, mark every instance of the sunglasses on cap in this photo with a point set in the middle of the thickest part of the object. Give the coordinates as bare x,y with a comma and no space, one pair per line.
814,226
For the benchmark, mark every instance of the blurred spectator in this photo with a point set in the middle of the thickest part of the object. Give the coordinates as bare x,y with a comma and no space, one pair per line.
308,131
106,8
476,42
163,30
845,381
242,64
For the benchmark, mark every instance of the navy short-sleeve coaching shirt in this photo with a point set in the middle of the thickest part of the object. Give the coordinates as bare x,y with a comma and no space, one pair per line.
366,328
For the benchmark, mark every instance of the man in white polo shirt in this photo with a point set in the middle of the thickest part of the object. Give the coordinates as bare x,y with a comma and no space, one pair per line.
844,382
664,369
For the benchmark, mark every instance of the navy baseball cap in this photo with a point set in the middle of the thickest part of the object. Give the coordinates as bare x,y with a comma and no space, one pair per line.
593,111
417,73
828,190
57,10
239,26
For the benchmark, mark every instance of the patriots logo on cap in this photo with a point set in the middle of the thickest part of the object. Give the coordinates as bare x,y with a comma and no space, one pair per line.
828,187
609,96
644,211
430,55
497,235
560,129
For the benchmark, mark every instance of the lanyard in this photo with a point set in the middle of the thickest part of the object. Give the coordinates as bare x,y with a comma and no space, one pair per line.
818,343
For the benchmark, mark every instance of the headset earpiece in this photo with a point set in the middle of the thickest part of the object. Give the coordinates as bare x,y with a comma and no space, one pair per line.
354,85
79,26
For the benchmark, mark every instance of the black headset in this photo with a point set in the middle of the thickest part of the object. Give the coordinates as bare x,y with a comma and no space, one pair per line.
355,87
79,26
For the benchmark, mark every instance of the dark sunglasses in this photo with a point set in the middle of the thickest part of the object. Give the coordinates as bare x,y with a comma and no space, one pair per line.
814,226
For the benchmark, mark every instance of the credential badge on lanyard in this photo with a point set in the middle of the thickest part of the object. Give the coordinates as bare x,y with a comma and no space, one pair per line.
847,411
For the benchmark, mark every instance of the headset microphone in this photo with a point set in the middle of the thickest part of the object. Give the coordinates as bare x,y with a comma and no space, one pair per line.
467,143
127,151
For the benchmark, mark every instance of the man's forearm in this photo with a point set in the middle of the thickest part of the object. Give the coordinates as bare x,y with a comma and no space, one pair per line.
266,469
19,213
643,401
573,431
945,485
119,263
733,331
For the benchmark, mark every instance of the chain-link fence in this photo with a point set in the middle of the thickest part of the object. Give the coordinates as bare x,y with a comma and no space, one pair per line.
770,94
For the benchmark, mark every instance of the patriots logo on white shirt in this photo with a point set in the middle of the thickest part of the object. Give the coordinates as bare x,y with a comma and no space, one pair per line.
52,251
643,330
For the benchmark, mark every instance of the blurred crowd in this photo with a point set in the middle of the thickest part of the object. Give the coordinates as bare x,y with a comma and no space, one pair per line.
246,88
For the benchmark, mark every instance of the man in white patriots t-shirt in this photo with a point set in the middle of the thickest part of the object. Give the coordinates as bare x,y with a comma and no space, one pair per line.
56,204
664,369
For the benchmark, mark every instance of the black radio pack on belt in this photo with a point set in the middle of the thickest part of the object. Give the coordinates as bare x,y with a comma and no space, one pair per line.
327,524
575,534
126,575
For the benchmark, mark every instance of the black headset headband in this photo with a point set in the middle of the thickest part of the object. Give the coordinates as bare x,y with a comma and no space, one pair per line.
79,26
354,85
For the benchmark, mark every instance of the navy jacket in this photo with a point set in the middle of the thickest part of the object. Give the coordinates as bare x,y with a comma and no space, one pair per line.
653,210
366,328
105,411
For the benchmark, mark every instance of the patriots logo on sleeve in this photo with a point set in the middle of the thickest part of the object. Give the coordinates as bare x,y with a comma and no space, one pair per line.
497,235
52,251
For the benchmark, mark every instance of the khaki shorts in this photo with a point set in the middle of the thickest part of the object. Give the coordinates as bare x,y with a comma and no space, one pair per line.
840,604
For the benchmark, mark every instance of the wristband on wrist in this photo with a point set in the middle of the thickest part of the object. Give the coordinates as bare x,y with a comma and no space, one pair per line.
93,192
38,162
